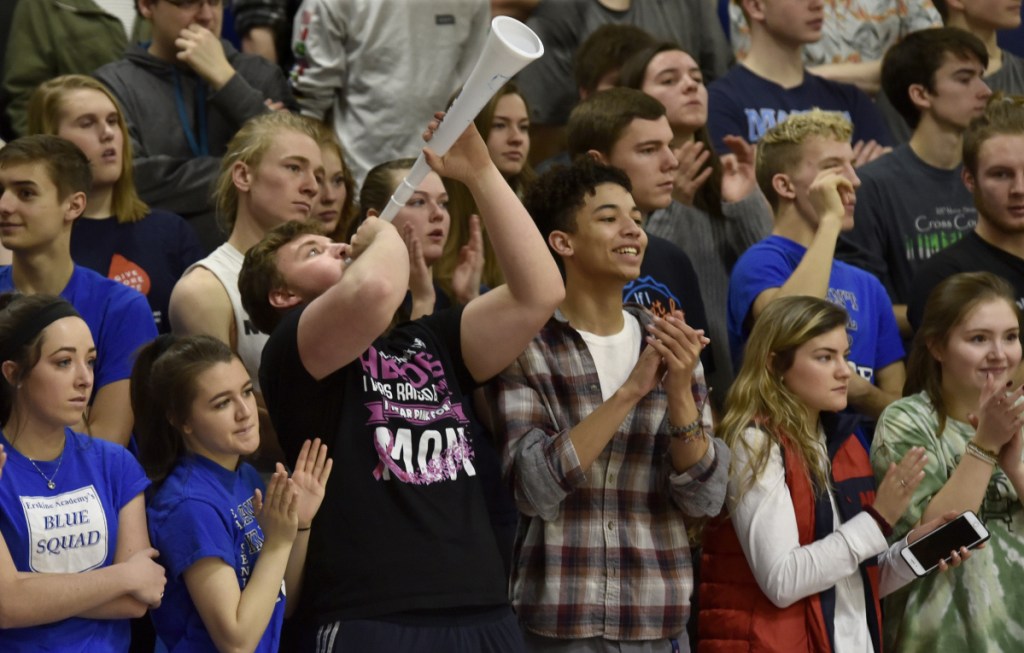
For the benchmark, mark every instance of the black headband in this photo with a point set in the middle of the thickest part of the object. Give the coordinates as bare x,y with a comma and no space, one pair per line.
32,325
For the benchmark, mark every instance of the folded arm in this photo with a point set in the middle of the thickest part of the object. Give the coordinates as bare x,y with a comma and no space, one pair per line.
32,599
132,539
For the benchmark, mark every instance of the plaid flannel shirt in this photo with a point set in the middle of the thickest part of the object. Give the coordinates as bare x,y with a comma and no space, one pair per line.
601,552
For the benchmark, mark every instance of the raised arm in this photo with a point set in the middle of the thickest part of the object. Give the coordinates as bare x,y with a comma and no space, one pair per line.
999,420
812,273
497,325
544,459
340,324
312,469
547,460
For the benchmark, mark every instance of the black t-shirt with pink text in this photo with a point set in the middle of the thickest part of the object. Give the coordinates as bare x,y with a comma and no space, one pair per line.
404,525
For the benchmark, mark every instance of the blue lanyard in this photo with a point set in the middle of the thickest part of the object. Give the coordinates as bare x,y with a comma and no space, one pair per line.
200,148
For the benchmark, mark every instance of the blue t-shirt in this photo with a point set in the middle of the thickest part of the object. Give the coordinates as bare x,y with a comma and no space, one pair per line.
205,511
745,104
69,529
119,318
874,336
149,255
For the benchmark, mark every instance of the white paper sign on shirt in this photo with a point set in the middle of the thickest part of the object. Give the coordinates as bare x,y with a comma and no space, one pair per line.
67,532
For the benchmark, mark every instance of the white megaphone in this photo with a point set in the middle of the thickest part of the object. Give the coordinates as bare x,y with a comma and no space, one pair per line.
509,47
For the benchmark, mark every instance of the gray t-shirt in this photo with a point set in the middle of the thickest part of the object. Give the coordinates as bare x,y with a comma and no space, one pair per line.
906,211
1010,78
563,25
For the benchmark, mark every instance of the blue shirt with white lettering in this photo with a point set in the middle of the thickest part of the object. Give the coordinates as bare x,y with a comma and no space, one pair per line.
874,336
203,510
69,529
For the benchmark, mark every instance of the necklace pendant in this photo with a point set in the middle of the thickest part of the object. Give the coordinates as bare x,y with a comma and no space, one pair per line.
51,484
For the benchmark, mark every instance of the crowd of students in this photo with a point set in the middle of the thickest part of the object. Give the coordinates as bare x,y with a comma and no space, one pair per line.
653,395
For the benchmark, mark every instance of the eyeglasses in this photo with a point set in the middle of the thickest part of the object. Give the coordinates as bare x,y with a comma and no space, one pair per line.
192,4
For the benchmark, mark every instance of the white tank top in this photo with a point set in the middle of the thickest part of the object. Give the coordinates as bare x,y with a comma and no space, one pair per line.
225,263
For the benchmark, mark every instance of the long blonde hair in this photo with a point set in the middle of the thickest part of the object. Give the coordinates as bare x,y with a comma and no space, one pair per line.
45,111
758,396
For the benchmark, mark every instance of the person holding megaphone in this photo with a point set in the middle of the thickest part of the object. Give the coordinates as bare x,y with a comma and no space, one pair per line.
402,557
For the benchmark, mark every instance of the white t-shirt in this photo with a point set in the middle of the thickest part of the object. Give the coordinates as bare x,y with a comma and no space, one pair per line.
615,355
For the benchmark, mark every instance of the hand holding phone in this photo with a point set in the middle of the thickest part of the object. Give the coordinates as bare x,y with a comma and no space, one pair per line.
946,543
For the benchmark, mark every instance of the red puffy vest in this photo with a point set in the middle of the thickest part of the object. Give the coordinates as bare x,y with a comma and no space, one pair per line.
735,615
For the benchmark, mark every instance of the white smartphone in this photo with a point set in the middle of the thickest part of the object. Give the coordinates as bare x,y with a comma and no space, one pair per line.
964,531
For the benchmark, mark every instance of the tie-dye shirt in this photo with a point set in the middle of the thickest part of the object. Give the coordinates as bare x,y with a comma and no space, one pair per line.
974,607
854,30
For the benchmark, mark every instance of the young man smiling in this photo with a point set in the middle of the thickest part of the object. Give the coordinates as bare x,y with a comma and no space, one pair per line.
403,557
627,129
993,172
606,480
805,168
43,185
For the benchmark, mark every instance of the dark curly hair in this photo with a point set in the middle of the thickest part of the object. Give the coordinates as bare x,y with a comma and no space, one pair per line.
556,196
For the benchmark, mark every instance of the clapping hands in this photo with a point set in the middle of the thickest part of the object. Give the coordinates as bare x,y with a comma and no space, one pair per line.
469,271
312,469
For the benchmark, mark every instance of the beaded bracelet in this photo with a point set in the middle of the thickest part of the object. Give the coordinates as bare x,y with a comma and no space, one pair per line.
689,432
883,525
982,454
695,429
